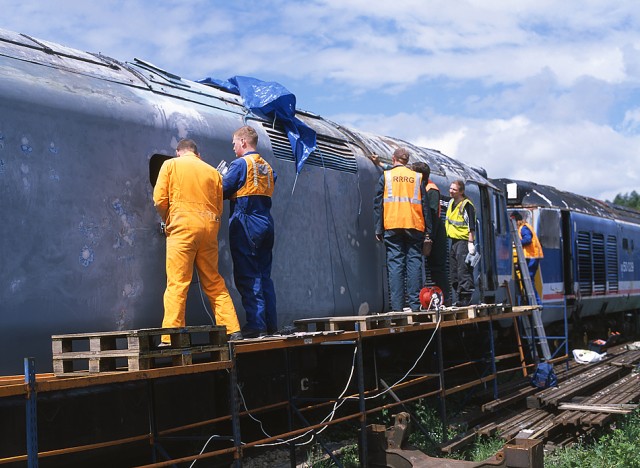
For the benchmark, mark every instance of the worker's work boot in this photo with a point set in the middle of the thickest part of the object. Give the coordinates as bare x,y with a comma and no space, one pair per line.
464,300
234,336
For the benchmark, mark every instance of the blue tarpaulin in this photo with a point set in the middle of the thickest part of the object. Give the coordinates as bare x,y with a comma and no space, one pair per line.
273,101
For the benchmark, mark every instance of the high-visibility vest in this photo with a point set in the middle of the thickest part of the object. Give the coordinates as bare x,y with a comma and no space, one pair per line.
455,224
403,199
534,249
432,186
259,180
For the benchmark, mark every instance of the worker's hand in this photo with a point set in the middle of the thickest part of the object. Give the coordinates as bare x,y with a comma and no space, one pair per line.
472,248
375,159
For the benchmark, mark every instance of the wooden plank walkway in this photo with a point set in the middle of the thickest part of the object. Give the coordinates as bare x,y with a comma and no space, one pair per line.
396,319
133,350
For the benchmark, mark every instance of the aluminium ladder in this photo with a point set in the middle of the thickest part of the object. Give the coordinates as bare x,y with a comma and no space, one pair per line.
538,326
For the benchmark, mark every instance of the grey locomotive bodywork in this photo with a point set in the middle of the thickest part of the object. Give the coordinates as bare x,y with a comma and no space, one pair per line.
82,137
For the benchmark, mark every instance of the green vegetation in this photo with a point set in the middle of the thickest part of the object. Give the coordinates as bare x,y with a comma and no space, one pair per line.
631,200
616,448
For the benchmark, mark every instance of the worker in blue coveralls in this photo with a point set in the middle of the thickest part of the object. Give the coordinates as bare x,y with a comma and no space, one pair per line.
248,184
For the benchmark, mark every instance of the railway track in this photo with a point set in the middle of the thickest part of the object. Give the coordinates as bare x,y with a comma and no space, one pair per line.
588,397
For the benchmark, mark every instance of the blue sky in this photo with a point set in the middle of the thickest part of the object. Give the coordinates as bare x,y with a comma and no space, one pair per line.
538,90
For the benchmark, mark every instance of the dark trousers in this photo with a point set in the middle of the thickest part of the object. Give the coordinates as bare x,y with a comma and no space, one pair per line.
461,273
404,264
437,261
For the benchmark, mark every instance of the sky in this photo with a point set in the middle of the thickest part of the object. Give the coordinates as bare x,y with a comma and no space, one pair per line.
545,91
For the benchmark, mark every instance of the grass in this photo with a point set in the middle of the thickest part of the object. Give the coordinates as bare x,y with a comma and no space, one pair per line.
617,448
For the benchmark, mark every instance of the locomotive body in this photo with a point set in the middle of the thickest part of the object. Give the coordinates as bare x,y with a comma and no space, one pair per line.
82,138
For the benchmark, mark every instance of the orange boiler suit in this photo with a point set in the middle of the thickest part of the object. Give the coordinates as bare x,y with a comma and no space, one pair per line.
188,197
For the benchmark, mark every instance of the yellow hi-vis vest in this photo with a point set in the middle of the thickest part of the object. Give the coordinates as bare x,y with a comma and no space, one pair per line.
432,186
259,180
403,199
534,249
455,224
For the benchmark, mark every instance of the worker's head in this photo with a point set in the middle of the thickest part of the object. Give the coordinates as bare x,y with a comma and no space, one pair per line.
517,216
456,189
423,168
401,156
244,139
186,146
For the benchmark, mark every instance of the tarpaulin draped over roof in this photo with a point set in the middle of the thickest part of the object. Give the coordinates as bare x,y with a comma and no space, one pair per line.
273,101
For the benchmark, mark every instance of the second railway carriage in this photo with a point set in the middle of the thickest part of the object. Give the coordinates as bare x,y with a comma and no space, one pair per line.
591,248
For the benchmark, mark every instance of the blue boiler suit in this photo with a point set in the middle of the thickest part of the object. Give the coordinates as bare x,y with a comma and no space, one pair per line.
251,237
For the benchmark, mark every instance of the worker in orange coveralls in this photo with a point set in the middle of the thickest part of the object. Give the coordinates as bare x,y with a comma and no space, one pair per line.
188,197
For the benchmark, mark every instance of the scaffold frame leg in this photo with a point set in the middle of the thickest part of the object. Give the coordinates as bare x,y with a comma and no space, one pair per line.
31,412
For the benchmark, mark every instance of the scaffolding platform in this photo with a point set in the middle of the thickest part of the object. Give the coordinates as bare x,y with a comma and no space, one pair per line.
400,319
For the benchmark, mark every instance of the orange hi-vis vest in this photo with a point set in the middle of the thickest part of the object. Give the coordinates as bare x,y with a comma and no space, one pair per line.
259,180
432,186
403,199
534,249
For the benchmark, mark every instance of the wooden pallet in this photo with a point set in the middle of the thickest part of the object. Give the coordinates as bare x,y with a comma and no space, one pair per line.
366,322
455,313
133,350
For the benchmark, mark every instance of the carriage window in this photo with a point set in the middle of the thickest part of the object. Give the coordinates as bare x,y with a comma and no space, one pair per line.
498,212
549,228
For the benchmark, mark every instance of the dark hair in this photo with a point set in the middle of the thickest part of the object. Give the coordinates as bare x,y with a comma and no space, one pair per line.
423,168
189,145
517,216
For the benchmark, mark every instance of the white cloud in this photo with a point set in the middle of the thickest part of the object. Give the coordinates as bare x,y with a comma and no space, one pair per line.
579,157
534,89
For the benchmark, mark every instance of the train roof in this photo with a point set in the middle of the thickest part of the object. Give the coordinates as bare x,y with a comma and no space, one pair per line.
525,194
342,142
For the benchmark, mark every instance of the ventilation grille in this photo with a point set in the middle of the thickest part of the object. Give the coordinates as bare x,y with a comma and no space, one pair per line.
612,263
585,276
599,265
330,153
